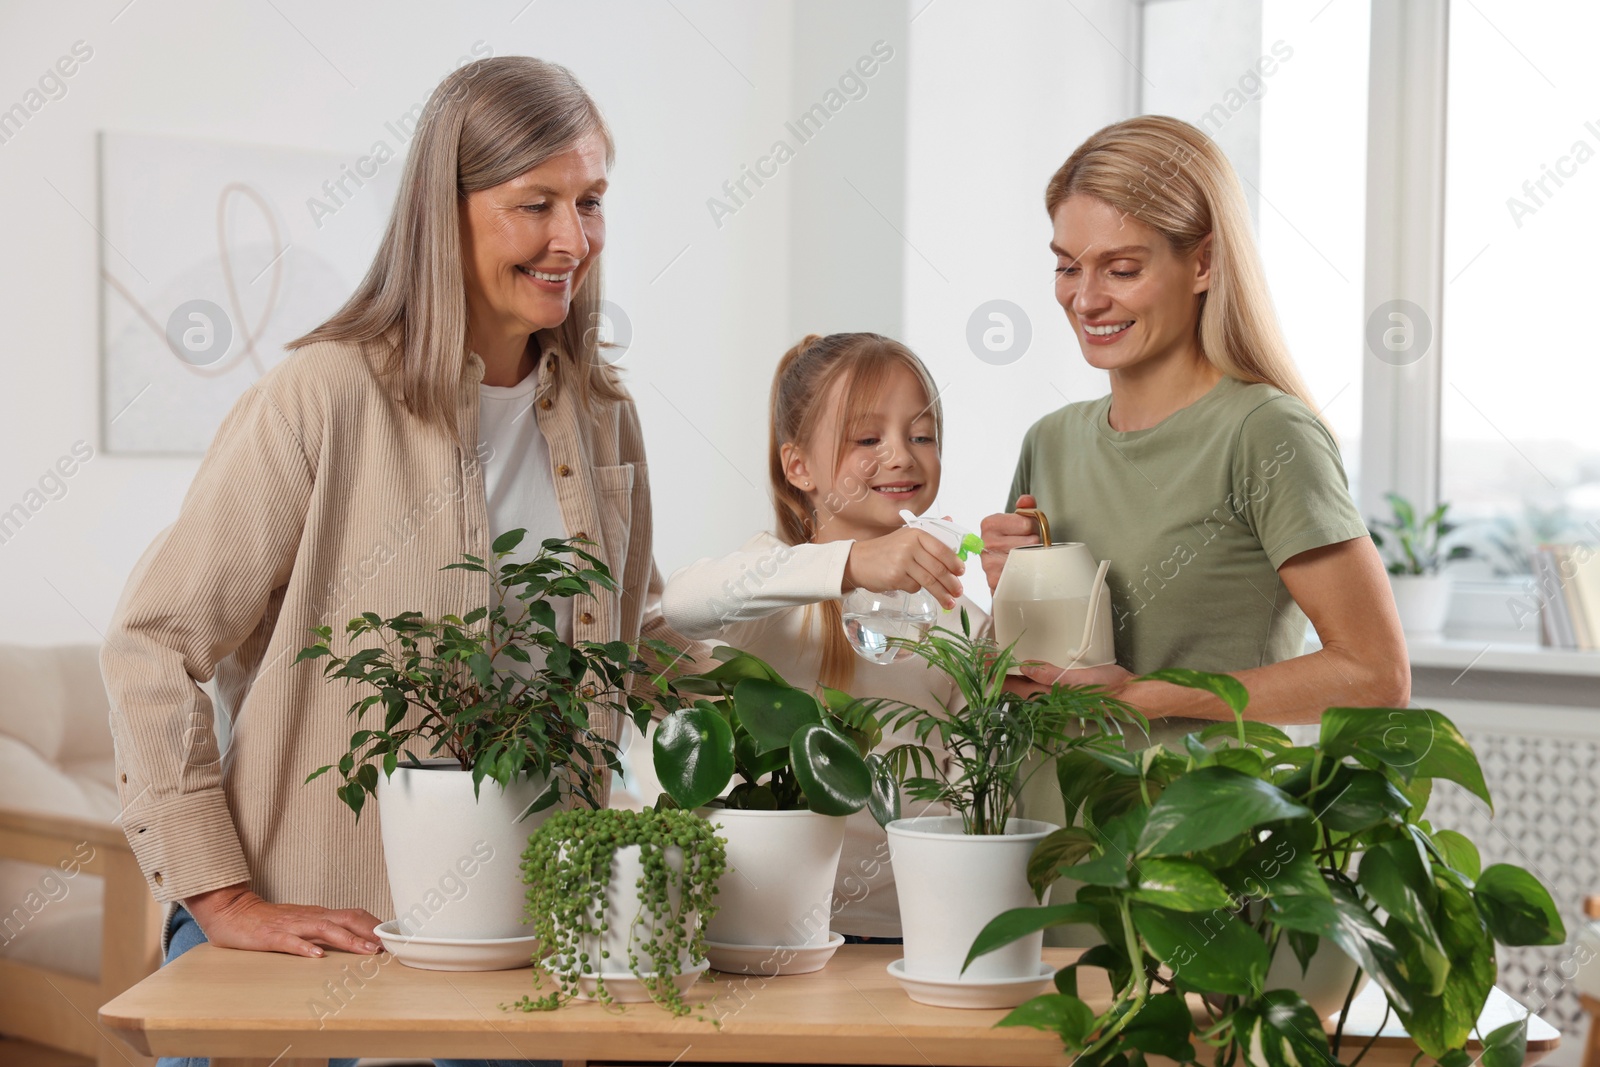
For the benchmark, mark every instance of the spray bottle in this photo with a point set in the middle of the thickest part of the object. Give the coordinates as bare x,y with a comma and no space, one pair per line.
872,618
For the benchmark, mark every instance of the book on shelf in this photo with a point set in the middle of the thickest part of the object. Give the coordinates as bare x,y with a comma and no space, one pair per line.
1567,578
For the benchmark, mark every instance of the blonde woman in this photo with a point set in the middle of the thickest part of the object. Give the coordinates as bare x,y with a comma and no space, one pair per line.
1205,476
456,395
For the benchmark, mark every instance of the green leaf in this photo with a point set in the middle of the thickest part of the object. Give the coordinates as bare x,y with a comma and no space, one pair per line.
693,751
1226,686
1209,806
1418,742
1440,1023
1282,1030
1180,885
1017,923
771,712
1110,867
830,770
1398,880
1217,952
1162,1027
1343,921
1262,734
1516,908
1458,852
481,669
1062,848
754,763
1284,864
1506,1046
884,802
1057,1012
507,541
1358,799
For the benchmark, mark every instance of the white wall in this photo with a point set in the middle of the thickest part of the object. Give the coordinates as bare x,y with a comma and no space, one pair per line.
682,115
1000,96
949,147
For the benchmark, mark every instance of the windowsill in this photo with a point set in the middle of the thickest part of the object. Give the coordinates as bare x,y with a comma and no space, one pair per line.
1518,657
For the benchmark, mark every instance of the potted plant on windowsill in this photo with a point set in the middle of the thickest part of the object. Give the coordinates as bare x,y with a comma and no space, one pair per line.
1251,870
493,696
954,873
800,771
1415,549
621,899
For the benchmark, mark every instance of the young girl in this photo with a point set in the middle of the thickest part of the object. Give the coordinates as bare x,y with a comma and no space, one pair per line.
855,437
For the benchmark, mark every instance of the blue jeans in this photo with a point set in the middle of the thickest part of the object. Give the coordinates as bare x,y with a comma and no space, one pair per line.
186,934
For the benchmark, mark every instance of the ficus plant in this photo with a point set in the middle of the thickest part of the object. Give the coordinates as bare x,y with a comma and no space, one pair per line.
788,749
1200,865
972,755
443,690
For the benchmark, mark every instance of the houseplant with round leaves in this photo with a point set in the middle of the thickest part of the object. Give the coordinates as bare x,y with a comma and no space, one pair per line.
776,771
1229,867
493,695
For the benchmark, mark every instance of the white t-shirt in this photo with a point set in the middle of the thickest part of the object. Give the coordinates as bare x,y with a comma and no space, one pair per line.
517,481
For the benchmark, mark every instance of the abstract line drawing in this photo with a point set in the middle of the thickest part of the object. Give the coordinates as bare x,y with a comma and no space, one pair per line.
213,256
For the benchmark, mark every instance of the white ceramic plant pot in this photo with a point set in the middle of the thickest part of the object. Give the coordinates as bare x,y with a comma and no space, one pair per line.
455,860
778,889
950,885
1327,978
629,924
1423,601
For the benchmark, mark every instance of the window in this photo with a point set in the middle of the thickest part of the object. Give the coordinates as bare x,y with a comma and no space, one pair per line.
1520,412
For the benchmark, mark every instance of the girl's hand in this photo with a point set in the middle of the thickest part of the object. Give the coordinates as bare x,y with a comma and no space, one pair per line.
908,560
234,917
1001,533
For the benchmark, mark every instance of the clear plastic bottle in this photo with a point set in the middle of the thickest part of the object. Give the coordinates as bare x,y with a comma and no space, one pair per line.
871,618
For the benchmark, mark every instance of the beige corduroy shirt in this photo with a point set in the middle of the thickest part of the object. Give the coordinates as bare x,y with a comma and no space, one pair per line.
322,497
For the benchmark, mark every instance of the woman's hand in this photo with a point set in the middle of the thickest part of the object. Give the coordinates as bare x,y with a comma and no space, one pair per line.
1001,533
907,559
234,917
1042,676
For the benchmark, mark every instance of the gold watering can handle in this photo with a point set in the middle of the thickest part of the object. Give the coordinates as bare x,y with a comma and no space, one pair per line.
1044,524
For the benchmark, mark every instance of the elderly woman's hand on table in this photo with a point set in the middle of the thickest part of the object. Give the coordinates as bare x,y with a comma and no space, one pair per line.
234,917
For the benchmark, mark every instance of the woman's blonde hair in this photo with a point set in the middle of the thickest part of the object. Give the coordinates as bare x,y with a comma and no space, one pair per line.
485,123
805,375
1173,178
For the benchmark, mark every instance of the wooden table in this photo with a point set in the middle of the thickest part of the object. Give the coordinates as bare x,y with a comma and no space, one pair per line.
269,1008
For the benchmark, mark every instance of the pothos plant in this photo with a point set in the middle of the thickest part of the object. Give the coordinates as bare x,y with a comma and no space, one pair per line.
986,734
444,691
568,867
1199,865
789,749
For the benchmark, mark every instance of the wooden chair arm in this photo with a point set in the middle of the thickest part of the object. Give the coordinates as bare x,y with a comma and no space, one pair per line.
51,839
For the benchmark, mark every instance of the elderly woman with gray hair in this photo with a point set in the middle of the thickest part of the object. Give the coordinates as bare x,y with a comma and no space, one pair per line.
389,441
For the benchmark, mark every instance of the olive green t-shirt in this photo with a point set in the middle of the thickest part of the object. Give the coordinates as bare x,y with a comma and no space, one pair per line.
1196,514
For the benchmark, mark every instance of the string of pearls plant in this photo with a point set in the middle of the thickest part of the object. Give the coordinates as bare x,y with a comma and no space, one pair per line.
568,869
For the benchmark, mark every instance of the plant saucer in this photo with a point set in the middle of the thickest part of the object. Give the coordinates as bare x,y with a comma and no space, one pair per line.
971,992
626,987
771,960
457,954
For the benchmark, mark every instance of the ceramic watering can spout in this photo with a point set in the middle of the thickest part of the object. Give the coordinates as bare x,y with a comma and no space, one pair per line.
1096,595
